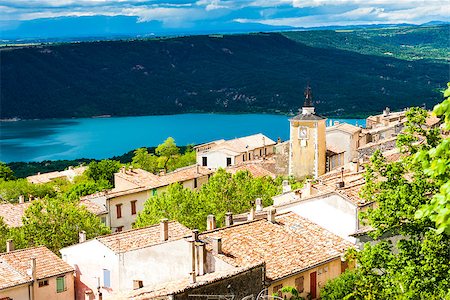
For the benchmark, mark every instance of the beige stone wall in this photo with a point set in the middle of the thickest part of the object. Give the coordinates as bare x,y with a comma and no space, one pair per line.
17,292
49,291
127,218
324,273
302,160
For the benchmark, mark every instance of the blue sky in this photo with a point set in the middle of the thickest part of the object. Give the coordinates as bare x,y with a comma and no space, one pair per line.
64,17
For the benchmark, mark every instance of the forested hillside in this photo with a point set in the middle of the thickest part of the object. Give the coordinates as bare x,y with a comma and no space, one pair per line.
231,73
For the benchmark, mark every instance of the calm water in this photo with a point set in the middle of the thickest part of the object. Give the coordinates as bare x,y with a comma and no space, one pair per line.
38,140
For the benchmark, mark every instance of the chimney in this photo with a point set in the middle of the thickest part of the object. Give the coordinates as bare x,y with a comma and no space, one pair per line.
271,215
217,245
251,214
33,268
9,245
122,170
70,168
82,236
278,140
162,173
21,199
228,219
195,235
355,165
286,186
211,222
164,224
193,274
341,183
259,205
201,259
307,189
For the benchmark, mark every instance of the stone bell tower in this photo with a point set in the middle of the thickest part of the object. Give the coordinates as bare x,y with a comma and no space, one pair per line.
307,155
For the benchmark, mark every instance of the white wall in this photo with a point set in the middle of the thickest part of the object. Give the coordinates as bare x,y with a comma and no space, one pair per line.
216,159
341,140
332,212
89,259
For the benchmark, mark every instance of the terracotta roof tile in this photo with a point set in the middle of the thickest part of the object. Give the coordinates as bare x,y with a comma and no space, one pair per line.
142,237
290,245
18,262
345,127
255,169
12,213
240,145
47,177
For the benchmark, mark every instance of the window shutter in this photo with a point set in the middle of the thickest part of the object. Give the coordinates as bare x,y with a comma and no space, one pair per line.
60,284
106,278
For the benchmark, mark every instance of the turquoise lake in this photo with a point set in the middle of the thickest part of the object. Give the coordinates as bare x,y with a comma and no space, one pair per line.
37,140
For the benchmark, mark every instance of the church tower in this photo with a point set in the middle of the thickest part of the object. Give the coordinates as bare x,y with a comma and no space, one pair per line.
307,155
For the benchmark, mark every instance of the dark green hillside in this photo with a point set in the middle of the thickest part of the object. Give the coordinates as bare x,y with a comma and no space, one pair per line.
233,73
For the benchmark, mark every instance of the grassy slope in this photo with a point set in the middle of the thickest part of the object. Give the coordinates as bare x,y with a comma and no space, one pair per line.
236,73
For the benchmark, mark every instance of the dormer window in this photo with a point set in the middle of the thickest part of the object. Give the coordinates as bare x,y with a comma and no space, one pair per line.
302,132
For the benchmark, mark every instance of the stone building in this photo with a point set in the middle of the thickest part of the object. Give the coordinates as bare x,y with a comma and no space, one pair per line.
307,141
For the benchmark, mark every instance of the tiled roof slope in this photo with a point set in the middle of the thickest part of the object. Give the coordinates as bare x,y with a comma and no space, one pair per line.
142,237
18,262
47,177
10,277
12,213
146,179
254,169
345,127
290,245
240,145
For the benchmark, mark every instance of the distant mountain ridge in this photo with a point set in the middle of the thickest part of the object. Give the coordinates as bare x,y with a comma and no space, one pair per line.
351,74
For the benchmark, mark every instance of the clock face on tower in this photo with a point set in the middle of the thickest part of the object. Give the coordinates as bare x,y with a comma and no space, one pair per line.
303,132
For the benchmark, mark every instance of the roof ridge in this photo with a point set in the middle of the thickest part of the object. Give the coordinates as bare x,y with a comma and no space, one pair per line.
134,229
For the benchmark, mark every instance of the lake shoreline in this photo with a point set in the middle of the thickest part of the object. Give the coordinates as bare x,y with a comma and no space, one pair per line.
107,116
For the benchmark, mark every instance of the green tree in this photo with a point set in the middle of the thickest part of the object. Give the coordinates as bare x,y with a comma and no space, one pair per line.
12,189
340,288
436,165
223,192
144,160
292,291
56,222
103,170
5,172
86,187
166,151
417,266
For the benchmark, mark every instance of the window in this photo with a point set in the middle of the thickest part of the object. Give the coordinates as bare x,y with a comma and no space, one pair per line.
249,156
260,152
119,211
228,161
133,207
195,183
204,161
137,284
103,220
154,192
42,283
299,284
106,278
243,157
302,132
119,229
277,290
60,284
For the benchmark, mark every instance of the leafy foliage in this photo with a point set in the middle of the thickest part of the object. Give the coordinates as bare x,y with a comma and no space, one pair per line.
340,288
5,172
223,193
12,189
416,264
223,74
56,222
294,295
436,165
103,170
167,157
